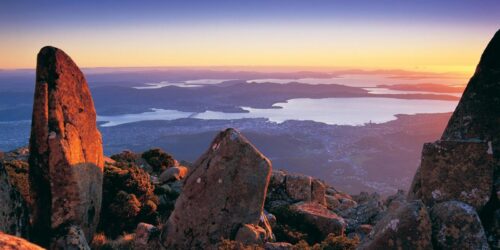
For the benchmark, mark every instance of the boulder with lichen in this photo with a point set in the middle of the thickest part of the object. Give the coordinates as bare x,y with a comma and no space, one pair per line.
225,189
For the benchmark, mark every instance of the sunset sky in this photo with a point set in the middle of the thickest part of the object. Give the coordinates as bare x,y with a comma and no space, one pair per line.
437,36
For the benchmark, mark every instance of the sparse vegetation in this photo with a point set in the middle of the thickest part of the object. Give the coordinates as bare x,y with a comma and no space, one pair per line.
125,156
18,176
101,242
331,242
291,227
235,245
342,242
158,159
128,199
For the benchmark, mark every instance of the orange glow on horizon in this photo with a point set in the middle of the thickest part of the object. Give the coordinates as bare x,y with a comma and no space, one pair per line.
274,46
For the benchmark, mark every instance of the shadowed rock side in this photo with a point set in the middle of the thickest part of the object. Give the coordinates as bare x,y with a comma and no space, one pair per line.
223,194
477,116
447,175
457,178
465,164
66,160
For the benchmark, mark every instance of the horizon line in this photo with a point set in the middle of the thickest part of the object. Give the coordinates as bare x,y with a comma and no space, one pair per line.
291,68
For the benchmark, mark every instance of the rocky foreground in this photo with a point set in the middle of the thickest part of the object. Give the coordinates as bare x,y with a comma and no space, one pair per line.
63,193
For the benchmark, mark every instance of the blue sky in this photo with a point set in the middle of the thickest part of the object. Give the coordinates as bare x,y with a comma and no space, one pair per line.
102,26
89,12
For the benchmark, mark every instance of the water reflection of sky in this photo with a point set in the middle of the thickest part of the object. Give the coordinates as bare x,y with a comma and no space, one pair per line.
339,111
383,91
366,80
183,84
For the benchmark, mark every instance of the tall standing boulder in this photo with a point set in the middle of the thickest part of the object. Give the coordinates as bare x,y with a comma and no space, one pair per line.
472,132
224,192
66,160
477,116
465,164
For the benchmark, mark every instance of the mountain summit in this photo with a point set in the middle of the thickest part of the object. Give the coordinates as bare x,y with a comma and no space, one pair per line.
230,198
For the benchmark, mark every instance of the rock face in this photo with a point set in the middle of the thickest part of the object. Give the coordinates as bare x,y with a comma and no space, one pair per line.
409,227
477,115
298,187
66,159
318,192
13,210
173,174
288,188
225,190
307,209
9,242
465,164
396,201
365,212
319,218
455,170
456,225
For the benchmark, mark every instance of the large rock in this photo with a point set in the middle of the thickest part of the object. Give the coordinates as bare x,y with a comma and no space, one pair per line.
9,242
173,174
225,190
298,187
454,170
277,195
396,201
332,203
319,218
467,159
277,179
408,227
13,210
477,116
365,212
456,225
66,159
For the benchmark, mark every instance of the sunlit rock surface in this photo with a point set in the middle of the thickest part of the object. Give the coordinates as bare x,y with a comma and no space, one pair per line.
66,156
225,190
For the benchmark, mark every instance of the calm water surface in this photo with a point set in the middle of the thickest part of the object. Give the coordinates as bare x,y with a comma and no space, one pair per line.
339,111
